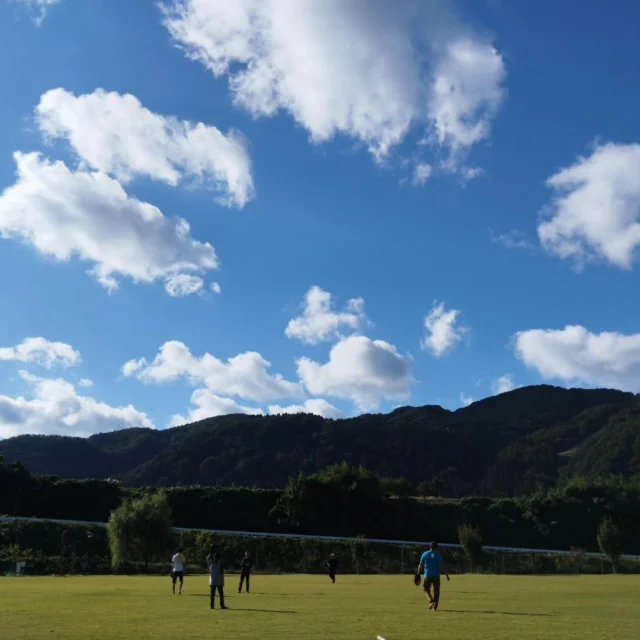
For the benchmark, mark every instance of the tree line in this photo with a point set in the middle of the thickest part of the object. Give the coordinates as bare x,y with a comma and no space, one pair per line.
351,501
139,538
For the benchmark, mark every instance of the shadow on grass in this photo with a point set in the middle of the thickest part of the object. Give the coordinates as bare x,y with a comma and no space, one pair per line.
498,613
267,610
206,595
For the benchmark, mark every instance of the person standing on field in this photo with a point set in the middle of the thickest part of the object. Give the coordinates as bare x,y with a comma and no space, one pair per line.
245,571
216,577
178,563
332,564
432,563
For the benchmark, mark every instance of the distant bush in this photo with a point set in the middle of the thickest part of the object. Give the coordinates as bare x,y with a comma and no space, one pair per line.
140,529
610,542
471,541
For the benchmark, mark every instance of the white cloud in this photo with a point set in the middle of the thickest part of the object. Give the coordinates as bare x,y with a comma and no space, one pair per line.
179,285
208,405
443,330
62,213
115,134
466,400
215,287
368,70
85,382
55,407
575,355
41,351
359,369
133,367
503,384
513,239
465,95
421,173
471,173
319,323
244,375
316,406
39,8
595,214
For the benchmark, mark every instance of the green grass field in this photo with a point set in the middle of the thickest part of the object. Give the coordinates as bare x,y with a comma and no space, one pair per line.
292,607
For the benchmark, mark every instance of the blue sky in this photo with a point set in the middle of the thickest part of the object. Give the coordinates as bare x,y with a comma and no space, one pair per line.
399,203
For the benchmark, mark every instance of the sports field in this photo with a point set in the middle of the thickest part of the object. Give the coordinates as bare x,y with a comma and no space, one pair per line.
288,607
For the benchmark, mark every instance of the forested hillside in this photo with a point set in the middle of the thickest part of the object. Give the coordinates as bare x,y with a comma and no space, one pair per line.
504,445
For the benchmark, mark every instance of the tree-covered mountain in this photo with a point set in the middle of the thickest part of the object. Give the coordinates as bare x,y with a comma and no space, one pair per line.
504,445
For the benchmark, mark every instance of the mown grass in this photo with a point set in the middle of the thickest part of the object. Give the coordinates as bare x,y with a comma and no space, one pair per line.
292,607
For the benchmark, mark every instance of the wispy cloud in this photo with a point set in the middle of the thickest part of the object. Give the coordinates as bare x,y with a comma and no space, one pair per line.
513,239
37,8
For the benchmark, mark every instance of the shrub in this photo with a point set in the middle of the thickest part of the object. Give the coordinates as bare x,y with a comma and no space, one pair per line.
471,542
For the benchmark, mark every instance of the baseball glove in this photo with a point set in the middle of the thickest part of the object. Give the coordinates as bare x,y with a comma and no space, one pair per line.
416,579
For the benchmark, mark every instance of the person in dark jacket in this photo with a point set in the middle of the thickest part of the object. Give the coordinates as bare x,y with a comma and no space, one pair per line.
245,571
332,564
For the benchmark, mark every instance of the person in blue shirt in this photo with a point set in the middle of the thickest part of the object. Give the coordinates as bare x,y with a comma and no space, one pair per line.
432,563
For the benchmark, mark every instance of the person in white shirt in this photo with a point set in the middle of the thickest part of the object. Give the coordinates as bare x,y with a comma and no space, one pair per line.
177,570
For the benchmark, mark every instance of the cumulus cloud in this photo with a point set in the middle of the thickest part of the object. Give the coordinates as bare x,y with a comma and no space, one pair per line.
443,329
595,214
117,135
359,369
371,71
470,173
63,213
465,94
85,382
576,355
466,400
55,407
319,322
315,406
179,285
421,173
215,287
37,8
209,405
42,352
503,384
245,375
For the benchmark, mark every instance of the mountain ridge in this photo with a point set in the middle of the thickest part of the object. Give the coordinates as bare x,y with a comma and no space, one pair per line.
502,445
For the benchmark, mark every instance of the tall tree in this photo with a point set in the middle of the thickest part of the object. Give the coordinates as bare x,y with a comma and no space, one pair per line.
610,541
471,542
140,529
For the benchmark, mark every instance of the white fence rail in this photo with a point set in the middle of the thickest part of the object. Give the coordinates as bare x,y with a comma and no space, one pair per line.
299,536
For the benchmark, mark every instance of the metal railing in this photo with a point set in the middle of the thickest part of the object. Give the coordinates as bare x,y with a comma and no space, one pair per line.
299,536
